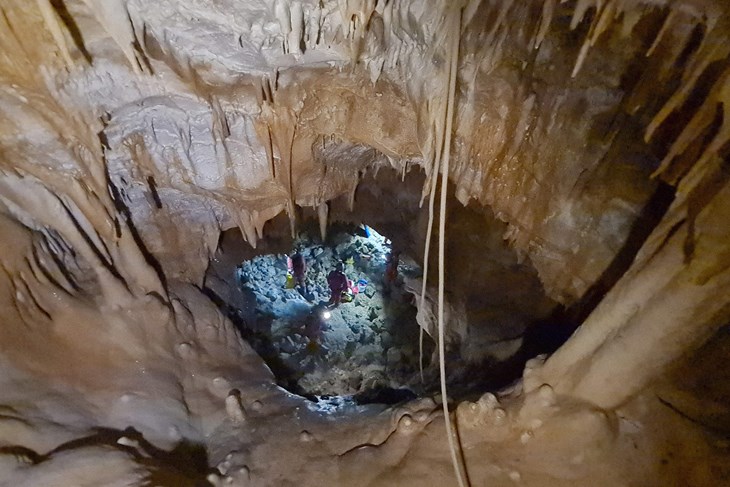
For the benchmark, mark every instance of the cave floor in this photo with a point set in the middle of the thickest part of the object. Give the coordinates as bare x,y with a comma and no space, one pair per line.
367,347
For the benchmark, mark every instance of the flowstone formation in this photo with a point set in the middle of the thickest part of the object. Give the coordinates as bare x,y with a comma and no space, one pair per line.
367,345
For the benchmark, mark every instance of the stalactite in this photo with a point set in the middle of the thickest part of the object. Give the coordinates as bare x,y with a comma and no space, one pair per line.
719,97
283,134
114,17
496,37
501,21
694,129
40,274
212,235
277,127
283,15
661,62
427,150
54,27
387,14
351,193
258,223
245,225
219,120
631,17
375,67
580,11
548,10
709,52
297,24
291,213
314,26
234,408
355,14
522,130
263,132
583,53
20,67
322,213
470,9
607,13
125,256
666,26
605,20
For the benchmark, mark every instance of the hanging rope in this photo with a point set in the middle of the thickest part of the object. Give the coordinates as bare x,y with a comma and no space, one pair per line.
454,447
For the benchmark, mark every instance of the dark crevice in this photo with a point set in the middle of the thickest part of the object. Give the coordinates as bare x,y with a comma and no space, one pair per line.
63,269
695,41
108,265
153,190
185,465
51,236
707,427
117,228
123,209
21,452
141,55
44,270
73,29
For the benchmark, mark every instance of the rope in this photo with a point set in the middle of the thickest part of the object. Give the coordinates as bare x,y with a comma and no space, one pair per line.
455,449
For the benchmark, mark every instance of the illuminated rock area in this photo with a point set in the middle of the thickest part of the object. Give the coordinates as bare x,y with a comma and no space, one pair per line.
575,250
367,346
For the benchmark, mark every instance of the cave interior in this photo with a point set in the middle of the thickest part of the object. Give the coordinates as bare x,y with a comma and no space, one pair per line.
529,201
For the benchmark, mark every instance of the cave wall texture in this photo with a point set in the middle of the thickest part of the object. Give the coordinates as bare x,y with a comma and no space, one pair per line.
133,132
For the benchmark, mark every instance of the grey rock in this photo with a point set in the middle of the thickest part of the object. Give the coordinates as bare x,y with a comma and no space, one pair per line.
393,356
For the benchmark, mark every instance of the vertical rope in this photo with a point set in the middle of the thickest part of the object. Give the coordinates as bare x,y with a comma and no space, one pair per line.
455,449
427,250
